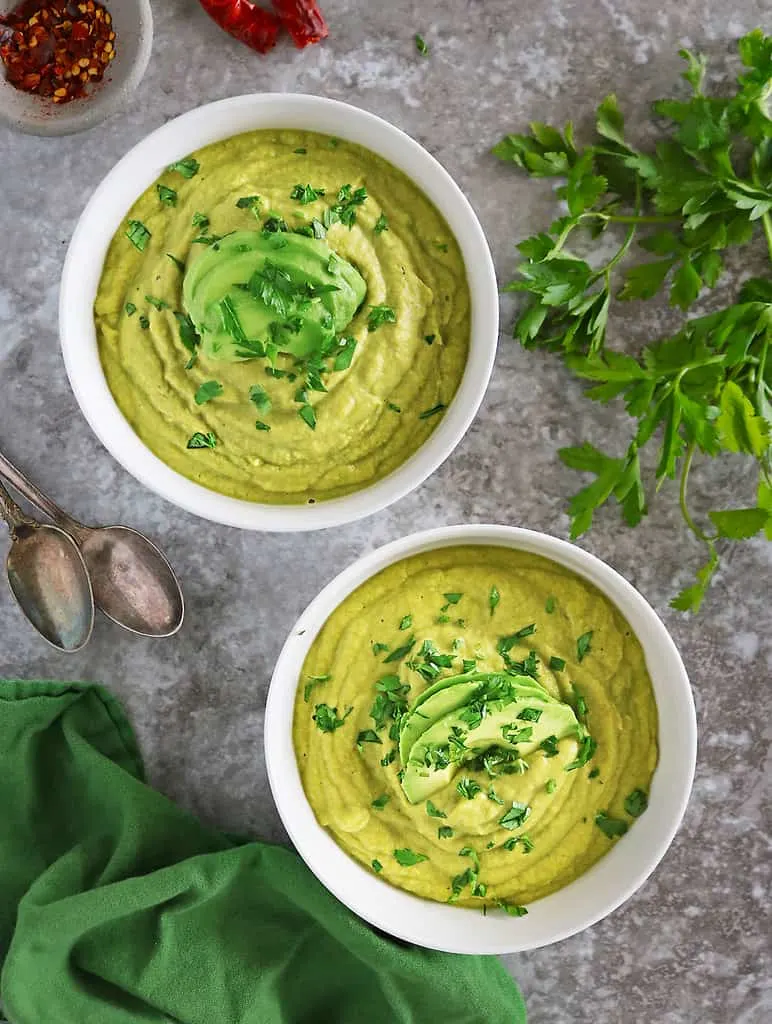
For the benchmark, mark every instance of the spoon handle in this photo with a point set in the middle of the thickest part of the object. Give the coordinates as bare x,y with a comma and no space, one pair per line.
32,494
11,512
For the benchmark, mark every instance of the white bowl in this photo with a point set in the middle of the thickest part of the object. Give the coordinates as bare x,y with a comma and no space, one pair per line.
133,25
104,215
593,895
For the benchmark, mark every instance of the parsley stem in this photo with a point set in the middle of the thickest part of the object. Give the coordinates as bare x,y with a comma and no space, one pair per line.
634,219
766,223
682,496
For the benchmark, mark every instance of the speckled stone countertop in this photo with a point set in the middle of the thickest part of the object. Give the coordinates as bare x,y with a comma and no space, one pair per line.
693,946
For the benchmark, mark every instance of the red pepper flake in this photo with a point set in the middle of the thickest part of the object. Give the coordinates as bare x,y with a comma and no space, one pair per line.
303,20
56,48
245,21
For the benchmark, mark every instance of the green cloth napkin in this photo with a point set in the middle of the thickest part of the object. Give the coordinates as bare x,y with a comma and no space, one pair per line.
117,907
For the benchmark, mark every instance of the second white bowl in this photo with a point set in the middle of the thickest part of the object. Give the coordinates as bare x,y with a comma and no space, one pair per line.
593,895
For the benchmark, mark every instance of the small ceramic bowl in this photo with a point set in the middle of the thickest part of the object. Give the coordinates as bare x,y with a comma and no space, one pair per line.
139,169
133,24
593,895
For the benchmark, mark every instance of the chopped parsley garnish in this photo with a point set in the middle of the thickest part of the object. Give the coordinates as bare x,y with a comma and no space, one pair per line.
188,333
549,606
421,46
158,304
207,240
492,795
406,622
199,440
441,246
259,425
379,315
138,235
407,858
527,842
130,308
428,413
493,599
636,803
551,786
530,715
389,758
587,747
580,705
307,414
230,320
367,736
434,812
305,194
429,338
313,682
344,354
610,827
557,664
326,718
344,210
200,220
442,619
249,203
379,648
444,832
167,195
381,801
178,263
510,844
594,773
188,168
400,652
511,908
301,151
376,864
207,391
514,735
450,599
506,643
550,746
583,645
381,225
274,224
468,665
468,788
144,323
516,816
259,398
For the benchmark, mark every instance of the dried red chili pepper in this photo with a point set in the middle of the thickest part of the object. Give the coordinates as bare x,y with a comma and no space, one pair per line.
303,20
245,21
56,48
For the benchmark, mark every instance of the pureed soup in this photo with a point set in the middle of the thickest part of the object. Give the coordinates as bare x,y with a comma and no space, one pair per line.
284,317
476,725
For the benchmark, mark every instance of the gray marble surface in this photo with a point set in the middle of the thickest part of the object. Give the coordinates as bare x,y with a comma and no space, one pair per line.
692,946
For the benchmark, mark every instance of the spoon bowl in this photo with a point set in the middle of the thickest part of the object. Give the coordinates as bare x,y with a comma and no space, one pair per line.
133,583
50,581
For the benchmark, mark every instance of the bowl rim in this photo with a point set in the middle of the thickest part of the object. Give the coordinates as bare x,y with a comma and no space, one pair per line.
142,164
108,98
586,900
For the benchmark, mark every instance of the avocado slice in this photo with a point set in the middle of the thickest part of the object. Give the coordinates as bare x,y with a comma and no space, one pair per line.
316,295
421,781
453,692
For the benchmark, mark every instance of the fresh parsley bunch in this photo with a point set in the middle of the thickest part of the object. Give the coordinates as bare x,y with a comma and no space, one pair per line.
706,187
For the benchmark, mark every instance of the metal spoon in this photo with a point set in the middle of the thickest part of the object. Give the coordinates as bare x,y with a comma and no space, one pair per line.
134,585
49,578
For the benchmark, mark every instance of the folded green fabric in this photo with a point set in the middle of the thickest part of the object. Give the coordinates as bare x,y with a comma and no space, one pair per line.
117,907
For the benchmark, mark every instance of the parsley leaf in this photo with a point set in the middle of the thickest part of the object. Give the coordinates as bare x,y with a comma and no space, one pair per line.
326,718
434,812
445,832
407,858
610,827
493,599
207,391
379,315
421,46
260,398
167,195
516,816
380,802
636,803
188,168
381,225
584,645
138,235
468,788
305,194
199,440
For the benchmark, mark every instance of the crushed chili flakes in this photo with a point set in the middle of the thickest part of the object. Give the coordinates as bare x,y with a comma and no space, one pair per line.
56,48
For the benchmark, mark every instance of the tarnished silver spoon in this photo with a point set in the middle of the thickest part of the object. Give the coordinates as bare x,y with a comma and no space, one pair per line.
133,583
49,578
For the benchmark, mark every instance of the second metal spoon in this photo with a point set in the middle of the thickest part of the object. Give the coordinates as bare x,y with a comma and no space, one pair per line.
133,583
